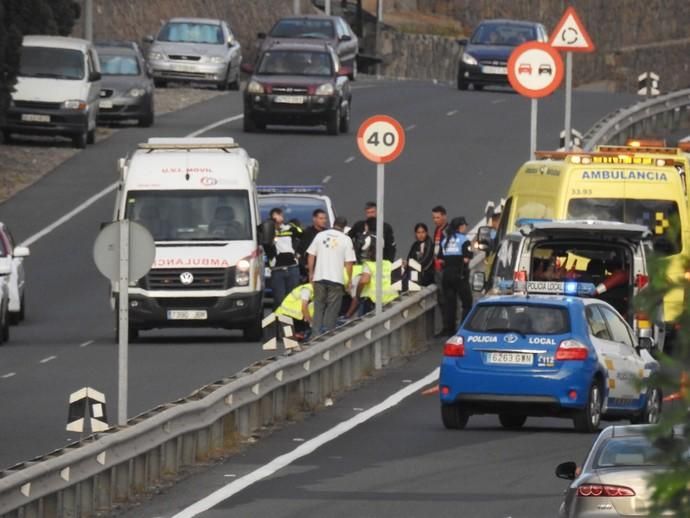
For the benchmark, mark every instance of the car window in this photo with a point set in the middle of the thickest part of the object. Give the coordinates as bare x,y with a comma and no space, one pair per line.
192,32
119,65
303,28
510,35
51,62
596,323
504,262
505,216
299,208
628,451
617,327
296,62
520,318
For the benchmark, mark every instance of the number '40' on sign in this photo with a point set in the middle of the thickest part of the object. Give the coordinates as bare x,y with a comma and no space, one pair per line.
381,139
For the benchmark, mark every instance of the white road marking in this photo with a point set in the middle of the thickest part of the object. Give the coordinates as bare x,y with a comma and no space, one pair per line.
349,159
451,113
327,179
411,127
498,101
303,450
8,375
48,359
93,199
86,344
297,439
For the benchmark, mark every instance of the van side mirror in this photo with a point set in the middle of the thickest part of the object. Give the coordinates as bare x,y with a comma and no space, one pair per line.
486,238
478,281
148,38
346,37
94,76
646,342
21,251
566,470
261,35
462,41
231,41
267,232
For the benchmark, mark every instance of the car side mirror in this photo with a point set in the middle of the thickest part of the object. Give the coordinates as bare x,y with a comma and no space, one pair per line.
94,76
478,281
247,68
462,41
346,37
148,38
566,470
646,342
21,251
486,238
231,41
261,35
267,232
344,71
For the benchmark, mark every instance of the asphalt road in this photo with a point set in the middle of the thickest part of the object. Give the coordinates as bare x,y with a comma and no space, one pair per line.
462,149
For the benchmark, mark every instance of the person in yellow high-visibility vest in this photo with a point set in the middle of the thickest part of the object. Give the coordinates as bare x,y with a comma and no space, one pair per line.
364,290
299,305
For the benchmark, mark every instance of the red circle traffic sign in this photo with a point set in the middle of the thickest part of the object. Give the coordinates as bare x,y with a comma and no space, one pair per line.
381,139
535,69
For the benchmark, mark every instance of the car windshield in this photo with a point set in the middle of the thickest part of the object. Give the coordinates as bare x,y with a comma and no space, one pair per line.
51,62
510,35
191,32
634,451
520,318
657,215
192,215
115,65
297,209
296,63
304,28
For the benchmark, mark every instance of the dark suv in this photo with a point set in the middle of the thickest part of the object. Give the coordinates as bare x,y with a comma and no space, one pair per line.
298,83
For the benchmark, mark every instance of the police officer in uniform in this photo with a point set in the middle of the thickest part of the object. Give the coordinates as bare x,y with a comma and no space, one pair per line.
456,253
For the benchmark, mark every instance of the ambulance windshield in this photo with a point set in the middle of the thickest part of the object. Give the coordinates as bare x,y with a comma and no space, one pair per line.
192,215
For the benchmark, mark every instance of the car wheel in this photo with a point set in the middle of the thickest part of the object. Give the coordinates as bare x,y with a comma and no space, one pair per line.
652,408
248,123
453,417
235,84
91,136
462,85
587,419
353,74
147,120
333,123
345,119
254,332
79,141
511,421
22,308
5,326
160,83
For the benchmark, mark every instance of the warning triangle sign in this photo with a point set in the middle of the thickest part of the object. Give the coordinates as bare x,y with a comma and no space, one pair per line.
570,34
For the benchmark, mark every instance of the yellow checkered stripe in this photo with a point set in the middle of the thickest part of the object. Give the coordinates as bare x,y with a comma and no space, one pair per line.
661,224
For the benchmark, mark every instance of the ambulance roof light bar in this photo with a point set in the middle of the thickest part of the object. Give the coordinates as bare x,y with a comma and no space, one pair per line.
657,150
646,142
610,155
159,143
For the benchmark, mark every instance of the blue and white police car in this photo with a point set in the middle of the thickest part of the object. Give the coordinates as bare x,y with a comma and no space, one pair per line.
547,355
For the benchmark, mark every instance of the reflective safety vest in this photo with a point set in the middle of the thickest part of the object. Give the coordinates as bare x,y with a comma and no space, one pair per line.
356,270
369,291
292,303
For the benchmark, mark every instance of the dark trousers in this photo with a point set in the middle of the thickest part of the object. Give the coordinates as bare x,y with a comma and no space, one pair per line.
283,281
328,299
454,287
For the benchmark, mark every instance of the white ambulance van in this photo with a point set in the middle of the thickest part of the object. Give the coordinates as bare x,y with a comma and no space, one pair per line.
197,197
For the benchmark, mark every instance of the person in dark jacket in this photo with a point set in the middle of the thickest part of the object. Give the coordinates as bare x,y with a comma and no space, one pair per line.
422,251
457,252
319,222
360,228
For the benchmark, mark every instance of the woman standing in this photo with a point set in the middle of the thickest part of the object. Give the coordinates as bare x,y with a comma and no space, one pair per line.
422,251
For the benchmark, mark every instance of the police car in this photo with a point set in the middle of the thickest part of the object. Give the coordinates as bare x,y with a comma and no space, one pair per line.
547,355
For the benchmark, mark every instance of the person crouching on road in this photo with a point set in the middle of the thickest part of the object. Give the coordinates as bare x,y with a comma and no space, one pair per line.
282,258
299,306
330,259
456,252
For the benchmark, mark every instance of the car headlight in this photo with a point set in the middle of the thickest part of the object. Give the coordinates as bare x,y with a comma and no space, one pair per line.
74,104
217,59
325,89
254,87
136,92
469,59
156,56
242,270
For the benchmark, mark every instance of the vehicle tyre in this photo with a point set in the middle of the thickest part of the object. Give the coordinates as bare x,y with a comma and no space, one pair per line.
5,330
235,84
6,137
160,83
353,75
652,408
223,85
333,123
587,419
477,87
79,140
462,85
254,332
147,120
91,136
345,120
453,417
248,123
511,421
22,308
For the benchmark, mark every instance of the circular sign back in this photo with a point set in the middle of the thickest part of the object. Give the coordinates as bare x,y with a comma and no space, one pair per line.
535,69
381,139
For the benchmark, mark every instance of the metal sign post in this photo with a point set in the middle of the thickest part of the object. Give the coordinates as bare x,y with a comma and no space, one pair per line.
123,323
533,128
568,97
379,236
327,7
296,6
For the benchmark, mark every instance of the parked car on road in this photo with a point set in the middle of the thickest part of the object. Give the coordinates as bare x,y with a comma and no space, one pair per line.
332,29
484,59
196,50
12,258
298,83
57,90
126,85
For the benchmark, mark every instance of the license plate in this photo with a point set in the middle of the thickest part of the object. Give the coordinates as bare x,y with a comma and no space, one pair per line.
510,358
494,70
183,314
34,117
184,68
106,105
290,99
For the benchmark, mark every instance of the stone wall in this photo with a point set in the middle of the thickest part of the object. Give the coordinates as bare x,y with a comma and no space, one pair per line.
418,56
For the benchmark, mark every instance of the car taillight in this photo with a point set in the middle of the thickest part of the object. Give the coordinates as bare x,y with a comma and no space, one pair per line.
571,350
454,346
595,490
641,280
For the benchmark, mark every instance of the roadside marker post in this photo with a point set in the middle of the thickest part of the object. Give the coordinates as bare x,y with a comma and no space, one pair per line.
535,70
570,36
380,139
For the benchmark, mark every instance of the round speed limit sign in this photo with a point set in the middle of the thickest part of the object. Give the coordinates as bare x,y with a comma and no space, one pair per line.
381,139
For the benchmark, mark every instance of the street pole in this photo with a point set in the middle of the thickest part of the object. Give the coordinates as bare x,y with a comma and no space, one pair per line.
123,323
379,11
379,21
379,237
568,98
88,20
296,7
533,129
327,7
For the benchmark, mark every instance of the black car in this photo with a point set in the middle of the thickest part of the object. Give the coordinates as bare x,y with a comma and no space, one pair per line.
331,29
126,85
300,84
484,59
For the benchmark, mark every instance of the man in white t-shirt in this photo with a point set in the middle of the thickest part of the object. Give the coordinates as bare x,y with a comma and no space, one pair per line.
330,259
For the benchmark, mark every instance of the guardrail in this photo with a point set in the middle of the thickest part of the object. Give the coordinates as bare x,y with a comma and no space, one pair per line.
109,469
668,111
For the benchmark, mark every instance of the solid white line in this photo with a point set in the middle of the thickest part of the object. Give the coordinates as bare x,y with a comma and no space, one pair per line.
327,179
93,199
9,375
452,112
48,359
86,344
349,159
304,449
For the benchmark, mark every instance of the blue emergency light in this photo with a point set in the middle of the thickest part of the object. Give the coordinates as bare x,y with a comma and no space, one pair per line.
290,189
531,221
569,288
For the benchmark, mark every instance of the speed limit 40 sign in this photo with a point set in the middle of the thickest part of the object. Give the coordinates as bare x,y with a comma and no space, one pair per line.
381,139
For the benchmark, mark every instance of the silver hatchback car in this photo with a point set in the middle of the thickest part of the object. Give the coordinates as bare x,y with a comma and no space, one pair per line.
613,481
195,50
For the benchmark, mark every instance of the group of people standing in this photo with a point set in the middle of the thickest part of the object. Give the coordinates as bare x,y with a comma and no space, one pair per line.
321,274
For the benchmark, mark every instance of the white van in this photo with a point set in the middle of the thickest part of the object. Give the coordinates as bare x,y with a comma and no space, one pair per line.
57,90
197,197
